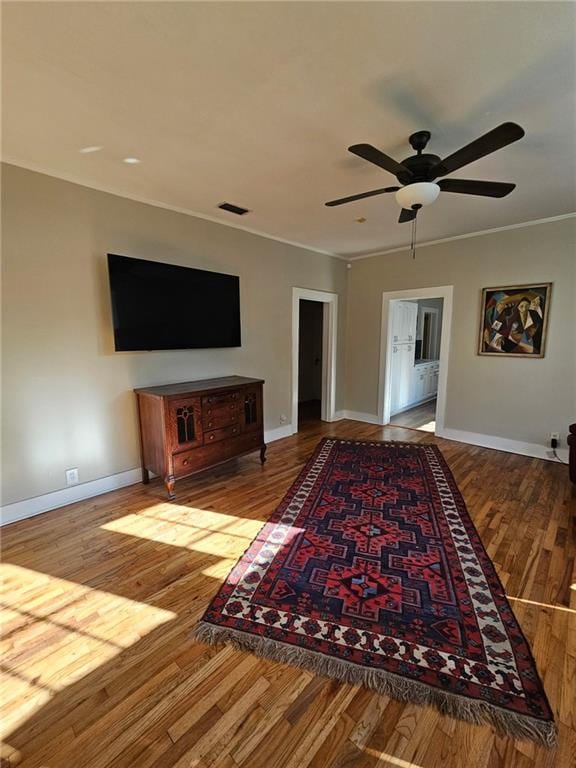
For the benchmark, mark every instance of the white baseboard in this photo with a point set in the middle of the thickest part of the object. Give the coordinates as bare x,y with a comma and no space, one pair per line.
278,433
369,418
474,438
20,510
502,444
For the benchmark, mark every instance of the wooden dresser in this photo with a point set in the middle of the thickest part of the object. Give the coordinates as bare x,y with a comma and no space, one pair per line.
194,425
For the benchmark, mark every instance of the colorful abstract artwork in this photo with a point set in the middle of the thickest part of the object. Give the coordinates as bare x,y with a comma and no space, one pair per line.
513,321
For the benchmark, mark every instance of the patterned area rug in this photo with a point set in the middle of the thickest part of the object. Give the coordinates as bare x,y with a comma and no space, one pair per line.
371,571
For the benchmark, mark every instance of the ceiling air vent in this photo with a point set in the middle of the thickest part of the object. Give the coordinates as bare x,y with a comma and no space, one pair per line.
233,209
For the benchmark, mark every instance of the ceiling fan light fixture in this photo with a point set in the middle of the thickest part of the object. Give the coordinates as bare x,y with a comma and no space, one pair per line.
420,193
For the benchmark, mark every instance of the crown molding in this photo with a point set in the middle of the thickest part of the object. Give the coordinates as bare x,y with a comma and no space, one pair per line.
157,204
207,217
466,236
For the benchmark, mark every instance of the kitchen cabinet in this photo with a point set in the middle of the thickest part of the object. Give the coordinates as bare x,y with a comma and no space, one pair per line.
404,319
411,384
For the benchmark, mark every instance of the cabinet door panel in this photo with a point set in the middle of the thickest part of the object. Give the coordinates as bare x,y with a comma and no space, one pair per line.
394,378
411,321
185,423
251,418
407,352
420,384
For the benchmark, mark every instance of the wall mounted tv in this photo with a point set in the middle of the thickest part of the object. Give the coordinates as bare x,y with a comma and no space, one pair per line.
164,306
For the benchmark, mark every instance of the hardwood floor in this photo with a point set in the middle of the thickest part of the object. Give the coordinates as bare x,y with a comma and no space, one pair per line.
309,411
99,599
420,417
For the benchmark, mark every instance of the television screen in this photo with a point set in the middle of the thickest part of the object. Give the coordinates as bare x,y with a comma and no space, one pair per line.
163,306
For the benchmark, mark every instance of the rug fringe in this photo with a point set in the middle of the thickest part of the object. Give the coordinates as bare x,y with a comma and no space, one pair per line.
387,683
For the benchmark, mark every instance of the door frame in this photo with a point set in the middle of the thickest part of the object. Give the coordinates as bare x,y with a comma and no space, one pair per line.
329,344
384,390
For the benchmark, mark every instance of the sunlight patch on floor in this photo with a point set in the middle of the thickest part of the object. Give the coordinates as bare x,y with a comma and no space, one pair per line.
282,535
430,426
79,627
542,605
199,530
221,569
385,759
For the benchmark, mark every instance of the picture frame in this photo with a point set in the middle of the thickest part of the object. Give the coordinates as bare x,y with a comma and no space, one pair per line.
514,320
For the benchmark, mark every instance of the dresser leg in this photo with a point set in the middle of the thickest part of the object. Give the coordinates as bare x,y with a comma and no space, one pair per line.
145,476
263,454
170,482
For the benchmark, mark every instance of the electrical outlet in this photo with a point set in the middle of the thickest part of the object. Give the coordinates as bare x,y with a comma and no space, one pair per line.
72,476
554,436
282,418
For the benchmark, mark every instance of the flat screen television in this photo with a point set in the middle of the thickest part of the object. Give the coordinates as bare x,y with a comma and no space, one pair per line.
164,306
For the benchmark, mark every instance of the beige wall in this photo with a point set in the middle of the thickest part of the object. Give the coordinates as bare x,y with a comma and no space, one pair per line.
519,399
68,398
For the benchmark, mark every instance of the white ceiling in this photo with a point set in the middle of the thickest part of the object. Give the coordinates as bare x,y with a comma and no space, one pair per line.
256,103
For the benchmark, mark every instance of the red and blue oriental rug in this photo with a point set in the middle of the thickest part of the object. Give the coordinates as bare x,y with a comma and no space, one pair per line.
371,572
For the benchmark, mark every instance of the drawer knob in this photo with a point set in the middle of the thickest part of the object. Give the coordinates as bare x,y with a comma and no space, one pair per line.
211,437
185,462
209,423
234,431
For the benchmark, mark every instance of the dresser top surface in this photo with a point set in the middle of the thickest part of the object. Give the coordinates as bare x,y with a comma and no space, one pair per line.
202,385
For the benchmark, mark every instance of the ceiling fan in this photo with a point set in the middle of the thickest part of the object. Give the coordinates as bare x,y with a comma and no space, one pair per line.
416,174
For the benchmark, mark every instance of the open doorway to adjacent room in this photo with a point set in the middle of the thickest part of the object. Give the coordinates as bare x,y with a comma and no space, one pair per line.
310,361
415,333
314,324
415,368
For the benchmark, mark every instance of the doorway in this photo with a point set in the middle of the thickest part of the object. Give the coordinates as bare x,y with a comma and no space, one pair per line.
310,361
314,324
415,330
414,357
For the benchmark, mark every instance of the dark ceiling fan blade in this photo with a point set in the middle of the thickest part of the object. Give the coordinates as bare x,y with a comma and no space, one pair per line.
495,139
406,215
362,195
373,155
473,187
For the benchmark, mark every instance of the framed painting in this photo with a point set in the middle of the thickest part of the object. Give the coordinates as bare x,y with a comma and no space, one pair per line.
514,319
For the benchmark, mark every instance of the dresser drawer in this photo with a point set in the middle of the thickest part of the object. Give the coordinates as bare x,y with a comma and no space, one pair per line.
215,416
215,435
224,397
185,462
214,452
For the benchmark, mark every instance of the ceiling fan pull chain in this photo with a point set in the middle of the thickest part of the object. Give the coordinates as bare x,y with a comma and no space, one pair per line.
413,242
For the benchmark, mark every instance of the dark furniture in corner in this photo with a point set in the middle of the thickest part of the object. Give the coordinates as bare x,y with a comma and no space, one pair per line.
572,454
191,426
